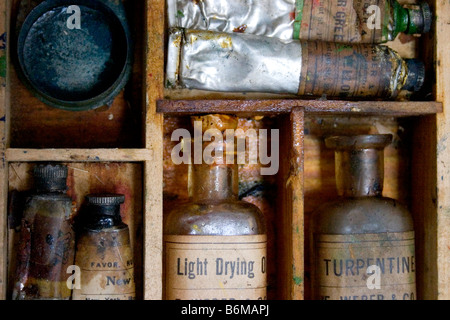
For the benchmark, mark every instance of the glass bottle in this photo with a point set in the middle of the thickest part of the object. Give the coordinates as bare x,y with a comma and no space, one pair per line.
215,245
104,254
47,239
363,243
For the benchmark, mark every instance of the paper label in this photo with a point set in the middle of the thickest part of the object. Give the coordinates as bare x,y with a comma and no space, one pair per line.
107,270
216,267
344,21
342,70
365,267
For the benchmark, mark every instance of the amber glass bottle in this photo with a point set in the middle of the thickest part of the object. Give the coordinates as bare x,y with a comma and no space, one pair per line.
104,254
47,240
362,244
215,245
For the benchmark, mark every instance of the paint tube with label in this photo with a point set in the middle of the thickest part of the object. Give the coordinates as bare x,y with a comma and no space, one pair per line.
226,62
344,21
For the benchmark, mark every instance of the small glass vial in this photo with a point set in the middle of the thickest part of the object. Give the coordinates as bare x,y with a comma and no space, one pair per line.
47,239
215,245
363,243
104,254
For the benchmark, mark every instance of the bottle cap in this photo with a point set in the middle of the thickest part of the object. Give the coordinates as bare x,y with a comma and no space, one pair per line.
420,20
105,199
50,171
416,75
50,177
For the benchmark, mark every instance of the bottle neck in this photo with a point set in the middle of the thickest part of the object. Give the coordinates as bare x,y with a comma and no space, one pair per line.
359,172
216,177
102,217
214,182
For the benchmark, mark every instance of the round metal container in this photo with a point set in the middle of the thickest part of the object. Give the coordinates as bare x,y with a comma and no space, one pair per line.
75,54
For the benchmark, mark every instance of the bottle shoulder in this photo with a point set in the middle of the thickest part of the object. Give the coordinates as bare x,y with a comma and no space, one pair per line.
362,215
215,218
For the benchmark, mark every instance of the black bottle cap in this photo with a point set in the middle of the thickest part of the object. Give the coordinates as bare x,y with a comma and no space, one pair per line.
105,199
50,177
416,75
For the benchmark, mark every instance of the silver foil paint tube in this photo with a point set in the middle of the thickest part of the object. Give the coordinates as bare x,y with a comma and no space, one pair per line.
238,62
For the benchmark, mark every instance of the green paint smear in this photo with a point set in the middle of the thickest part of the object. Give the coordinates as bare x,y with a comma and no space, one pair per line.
298,18
180,14
298,280
3,66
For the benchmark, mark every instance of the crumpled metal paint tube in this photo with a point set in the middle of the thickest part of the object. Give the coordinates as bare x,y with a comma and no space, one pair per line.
237,62
344,21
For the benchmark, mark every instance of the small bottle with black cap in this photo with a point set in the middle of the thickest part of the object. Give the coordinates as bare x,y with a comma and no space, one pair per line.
47,239
104,254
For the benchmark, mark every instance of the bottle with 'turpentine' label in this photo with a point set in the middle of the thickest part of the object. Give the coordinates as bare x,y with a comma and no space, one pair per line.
104,254
362,244
215,246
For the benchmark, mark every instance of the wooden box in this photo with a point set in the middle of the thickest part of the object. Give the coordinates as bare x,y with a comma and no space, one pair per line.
125,147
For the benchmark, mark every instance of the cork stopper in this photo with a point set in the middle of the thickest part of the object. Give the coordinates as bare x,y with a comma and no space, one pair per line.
50,177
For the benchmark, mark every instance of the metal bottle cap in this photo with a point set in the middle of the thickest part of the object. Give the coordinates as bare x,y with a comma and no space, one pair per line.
416,75
105,199
50,177
420,20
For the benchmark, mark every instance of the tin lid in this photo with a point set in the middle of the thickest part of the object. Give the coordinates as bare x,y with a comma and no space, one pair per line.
75,55
105,199
50,177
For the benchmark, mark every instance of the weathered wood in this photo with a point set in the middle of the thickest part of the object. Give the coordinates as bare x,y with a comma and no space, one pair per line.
290,269
4,5
273,107
88,155
153,170
443,153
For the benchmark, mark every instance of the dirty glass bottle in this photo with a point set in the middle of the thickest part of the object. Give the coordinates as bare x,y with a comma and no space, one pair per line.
104,254
47,239
363,243
215,245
